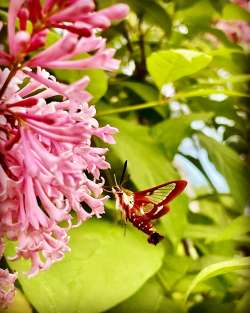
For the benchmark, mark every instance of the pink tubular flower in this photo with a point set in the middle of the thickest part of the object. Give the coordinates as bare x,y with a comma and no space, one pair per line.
50,170
77,18
7,288
245,4
7,280
237,31
52,167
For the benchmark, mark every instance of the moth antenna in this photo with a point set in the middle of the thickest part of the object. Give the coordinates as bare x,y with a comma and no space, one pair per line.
115,181
106,190
123,171
125,180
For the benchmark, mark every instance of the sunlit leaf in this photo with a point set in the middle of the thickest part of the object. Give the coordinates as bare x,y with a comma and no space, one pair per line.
230,165
145,91
149,299
172,131
91,277
202,231
243,304
175,222
173,269
233,11
169,65
219,269
147,164
237,230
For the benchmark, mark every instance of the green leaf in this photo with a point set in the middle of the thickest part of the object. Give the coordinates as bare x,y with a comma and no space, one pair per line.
173,269
204,92
230,165
233,11
200,231
237,230
218,269
97,86
218,5
214,305
169,65
175,222
147,164
152,12
19,304
149,299
172,131
3,16
4,3
104,268
243,304
145,91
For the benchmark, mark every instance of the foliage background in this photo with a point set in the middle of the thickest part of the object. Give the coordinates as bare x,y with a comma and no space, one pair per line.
180,103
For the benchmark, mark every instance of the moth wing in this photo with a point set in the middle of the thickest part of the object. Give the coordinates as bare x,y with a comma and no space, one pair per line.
161,194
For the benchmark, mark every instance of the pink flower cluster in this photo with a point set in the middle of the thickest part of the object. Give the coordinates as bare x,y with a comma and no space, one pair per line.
245,4
7,280
237,31
50,176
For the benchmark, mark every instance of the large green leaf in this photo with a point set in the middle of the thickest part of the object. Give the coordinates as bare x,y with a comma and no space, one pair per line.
104,268
219,269
172,131
97,86
233,11
237,230
147,164
200,231
243,304
169,65
230,165
149,299
145,91
173,269
175,222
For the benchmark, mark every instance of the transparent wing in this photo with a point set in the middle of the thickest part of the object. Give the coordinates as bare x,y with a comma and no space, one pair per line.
160,194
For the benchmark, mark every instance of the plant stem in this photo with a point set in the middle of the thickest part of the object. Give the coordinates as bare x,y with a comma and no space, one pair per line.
142,66
134,107
12,73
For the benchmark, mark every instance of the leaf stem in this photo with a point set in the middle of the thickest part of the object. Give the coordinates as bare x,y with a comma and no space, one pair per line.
134,107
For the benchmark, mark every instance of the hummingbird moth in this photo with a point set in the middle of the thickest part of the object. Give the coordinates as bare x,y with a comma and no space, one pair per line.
142,207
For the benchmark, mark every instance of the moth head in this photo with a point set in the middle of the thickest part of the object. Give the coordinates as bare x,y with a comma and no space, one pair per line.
117,190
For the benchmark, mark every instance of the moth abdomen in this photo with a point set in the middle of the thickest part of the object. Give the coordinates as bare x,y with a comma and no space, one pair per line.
155,238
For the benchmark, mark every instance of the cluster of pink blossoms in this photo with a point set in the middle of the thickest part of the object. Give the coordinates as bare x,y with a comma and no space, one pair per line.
236,30
48,166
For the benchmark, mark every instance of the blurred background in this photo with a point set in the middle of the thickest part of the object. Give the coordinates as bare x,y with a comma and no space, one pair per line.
180,102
